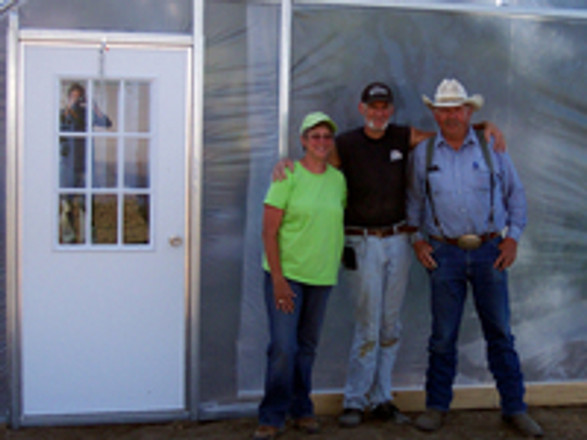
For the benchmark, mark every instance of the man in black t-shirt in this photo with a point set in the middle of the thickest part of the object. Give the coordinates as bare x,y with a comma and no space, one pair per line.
374,160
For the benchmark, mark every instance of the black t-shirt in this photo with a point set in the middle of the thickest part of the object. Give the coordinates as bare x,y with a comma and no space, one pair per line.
375,171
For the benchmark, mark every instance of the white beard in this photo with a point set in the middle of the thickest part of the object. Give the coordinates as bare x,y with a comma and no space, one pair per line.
372,126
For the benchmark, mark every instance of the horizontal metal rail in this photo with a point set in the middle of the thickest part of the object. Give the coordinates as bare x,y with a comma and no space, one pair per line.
91,37
500,8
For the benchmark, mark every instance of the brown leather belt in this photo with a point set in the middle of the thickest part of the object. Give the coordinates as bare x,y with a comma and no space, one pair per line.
383,232
456,242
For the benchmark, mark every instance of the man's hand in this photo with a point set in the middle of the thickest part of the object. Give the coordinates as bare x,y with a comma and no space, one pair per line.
278,173
509,249
490,131
423,252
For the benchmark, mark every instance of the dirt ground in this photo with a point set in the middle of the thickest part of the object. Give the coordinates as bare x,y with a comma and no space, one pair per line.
568,423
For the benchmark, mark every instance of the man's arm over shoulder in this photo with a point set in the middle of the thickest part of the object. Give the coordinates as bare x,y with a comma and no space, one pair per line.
491,132
342,143
417,136
279,169
489,129
334,158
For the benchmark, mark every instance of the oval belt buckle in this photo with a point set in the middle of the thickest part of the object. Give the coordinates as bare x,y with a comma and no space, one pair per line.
469,242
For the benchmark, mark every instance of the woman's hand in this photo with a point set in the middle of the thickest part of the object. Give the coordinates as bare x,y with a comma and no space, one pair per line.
283,295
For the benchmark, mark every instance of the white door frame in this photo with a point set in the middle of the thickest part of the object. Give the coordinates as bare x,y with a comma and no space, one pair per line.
14,153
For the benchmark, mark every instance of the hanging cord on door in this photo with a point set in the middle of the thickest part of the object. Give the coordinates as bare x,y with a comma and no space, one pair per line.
103,49
98,116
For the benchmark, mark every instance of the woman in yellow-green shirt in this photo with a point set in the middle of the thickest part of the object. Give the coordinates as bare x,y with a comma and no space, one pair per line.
303,240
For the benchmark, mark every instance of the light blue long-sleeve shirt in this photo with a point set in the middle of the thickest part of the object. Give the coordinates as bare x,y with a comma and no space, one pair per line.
460,187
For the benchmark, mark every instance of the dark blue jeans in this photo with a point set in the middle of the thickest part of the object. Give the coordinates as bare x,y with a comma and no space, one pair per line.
457,268
291,353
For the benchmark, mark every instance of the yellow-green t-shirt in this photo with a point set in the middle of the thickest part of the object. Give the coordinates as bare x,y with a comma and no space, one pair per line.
311,234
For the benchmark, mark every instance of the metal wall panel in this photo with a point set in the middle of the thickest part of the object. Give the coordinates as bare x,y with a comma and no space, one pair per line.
3,348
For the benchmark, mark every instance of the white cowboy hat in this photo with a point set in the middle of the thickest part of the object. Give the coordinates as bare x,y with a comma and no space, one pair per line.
451,93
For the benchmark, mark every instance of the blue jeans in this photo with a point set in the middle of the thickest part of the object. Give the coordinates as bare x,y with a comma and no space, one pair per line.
291,353
378,286
457,268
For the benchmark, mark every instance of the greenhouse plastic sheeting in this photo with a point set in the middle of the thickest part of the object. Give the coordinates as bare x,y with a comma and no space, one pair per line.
532,73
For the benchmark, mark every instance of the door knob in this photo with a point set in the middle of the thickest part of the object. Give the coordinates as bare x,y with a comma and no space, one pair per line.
175,241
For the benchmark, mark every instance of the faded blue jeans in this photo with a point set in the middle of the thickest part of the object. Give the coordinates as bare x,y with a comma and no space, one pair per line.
291,353
378,286
456,269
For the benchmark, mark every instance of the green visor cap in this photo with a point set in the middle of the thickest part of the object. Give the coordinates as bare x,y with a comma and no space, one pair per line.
315,118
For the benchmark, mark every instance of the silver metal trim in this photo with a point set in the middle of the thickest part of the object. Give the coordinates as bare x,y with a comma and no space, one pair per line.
519,12
195,176
215,411
12,230
105,418
189,140
99,38
496,9
284,75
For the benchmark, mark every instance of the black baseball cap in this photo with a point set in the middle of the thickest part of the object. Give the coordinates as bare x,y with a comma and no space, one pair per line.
376,91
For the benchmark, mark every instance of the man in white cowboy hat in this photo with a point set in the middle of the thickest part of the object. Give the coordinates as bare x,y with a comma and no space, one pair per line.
463,197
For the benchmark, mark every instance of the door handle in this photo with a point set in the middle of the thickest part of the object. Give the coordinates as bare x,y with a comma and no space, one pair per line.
175,241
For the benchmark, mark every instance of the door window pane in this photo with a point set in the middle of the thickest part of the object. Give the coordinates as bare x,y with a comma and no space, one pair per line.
72,162
137,106
72,116
105,105
104,218
136,219
72,219
136,163
105,163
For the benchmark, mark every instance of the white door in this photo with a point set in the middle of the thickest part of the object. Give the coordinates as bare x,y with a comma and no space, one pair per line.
102,223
